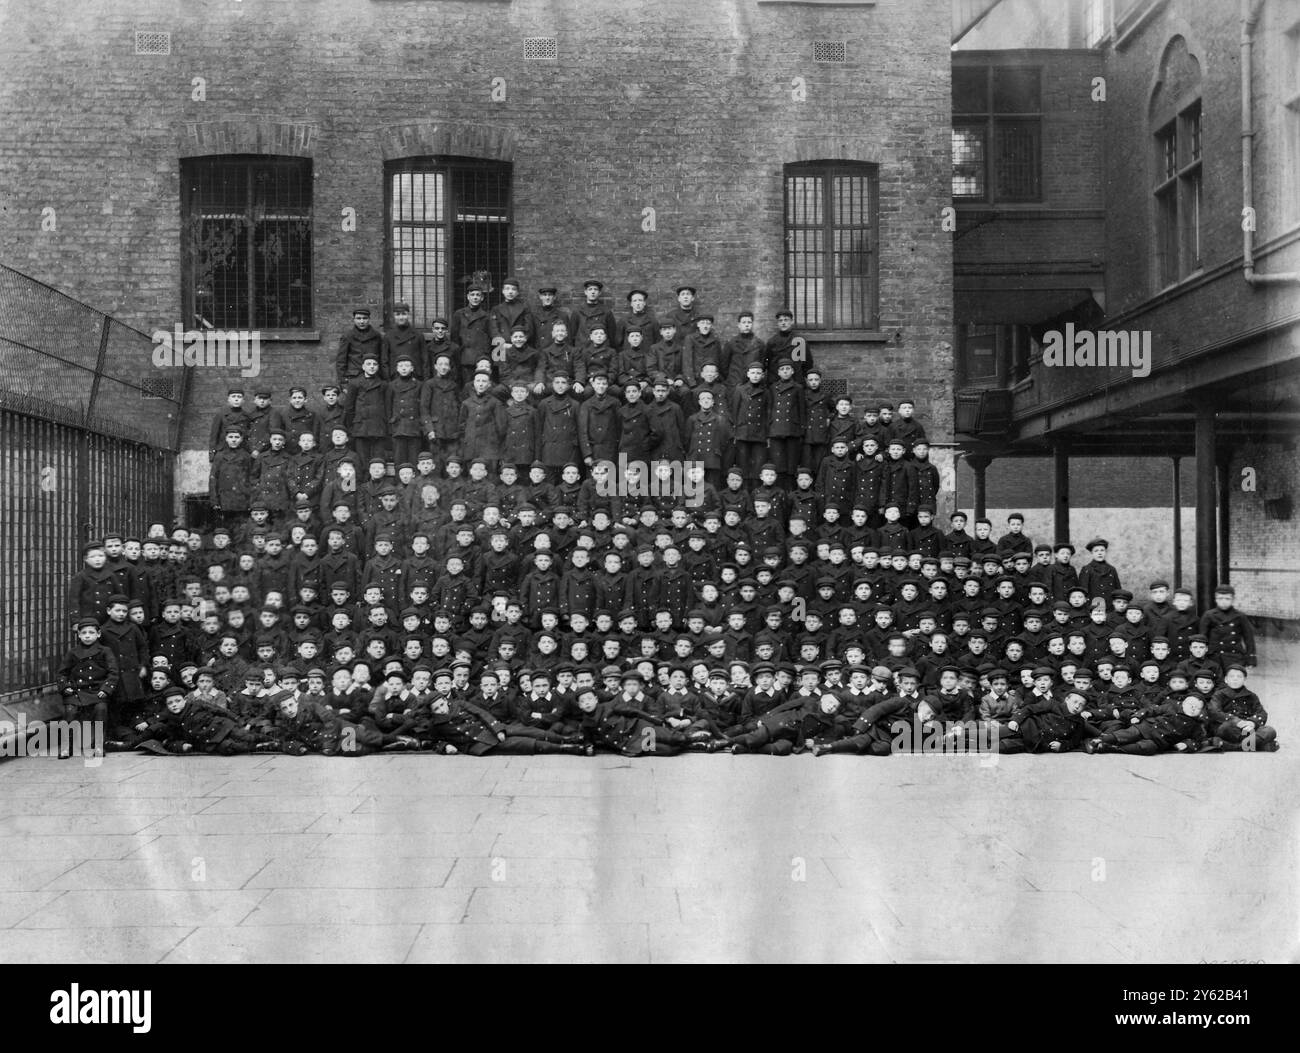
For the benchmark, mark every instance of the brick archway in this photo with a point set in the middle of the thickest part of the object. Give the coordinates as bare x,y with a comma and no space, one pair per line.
446,139
834,148
250,135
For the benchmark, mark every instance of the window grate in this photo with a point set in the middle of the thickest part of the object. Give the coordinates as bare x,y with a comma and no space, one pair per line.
997,134
830,51
830,250
449,224
147,43
248,241
540,49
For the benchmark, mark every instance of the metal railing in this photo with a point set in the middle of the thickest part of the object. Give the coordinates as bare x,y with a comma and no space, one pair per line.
89,427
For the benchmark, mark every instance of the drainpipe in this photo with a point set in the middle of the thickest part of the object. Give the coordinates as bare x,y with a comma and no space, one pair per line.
1249,18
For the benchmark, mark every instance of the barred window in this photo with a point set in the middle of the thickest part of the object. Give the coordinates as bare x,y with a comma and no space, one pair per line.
449,223
247,242
1178,196
997,134
831,257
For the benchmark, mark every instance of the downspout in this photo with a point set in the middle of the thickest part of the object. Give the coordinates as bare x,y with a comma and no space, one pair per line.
1249,18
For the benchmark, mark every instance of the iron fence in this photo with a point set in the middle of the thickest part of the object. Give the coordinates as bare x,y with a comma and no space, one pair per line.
89,426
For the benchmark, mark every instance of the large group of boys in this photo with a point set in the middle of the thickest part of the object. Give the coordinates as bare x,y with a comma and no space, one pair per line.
437,558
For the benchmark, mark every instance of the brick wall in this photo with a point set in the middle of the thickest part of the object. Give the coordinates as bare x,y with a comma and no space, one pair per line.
682,106
1213,306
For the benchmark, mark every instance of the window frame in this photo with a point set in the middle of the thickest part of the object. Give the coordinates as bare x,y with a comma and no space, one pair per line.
446,165
251,217
826,172
987,120
1177,195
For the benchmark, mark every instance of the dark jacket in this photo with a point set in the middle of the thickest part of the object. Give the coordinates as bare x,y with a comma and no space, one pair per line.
483,426
230,479
354,345
557,430
86,673
366,412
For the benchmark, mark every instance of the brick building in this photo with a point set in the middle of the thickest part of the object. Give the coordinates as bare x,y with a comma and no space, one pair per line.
1190,148
268,165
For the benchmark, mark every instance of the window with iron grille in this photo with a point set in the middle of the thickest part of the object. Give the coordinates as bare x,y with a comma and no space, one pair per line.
448,224
247,242
997,134
1178,196
831,257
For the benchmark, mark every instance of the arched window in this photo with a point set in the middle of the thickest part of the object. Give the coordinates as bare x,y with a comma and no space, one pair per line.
1175,117
831,247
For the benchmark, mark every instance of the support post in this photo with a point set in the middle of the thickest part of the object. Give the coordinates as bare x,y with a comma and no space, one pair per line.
1061,491
1207,520
1178,524
1224,495
978,466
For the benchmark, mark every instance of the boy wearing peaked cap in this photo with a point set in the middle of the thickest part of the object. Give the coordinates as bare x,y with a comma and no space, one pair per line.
1098,578
785,421
739,351
509,313
1228,630
87,679
639,319
403,404
684,315
593,311
905,426
545,314
701,347
749,423
785,344
366,410
232,416
402,338
471,330
360,339
1015,539
1237,716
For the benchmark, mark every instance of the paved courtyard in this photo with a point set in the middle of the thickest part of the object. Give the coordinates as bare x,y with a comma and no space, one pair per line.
437,859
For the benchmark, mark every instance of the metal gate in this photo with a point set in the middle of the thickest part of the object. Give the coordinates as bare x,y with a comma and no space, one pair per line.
88,432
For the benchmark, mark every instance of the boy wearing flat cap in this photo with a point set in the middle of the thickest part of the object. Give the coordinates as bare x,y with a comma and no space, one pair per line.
359,340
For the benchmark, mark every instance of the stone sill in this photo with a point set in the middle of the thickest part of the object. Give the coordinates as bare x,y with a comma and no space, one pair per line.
845,336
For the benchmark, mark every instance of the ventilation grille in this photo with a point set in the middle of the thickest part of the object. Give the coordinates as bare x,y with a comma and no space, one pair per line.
830,51
153,43
835,388
541,49
153,386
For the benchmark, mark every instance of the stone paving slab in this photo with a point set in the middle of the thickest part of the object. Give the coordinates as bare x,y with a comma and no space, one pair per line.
398,858
531,942
293,944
